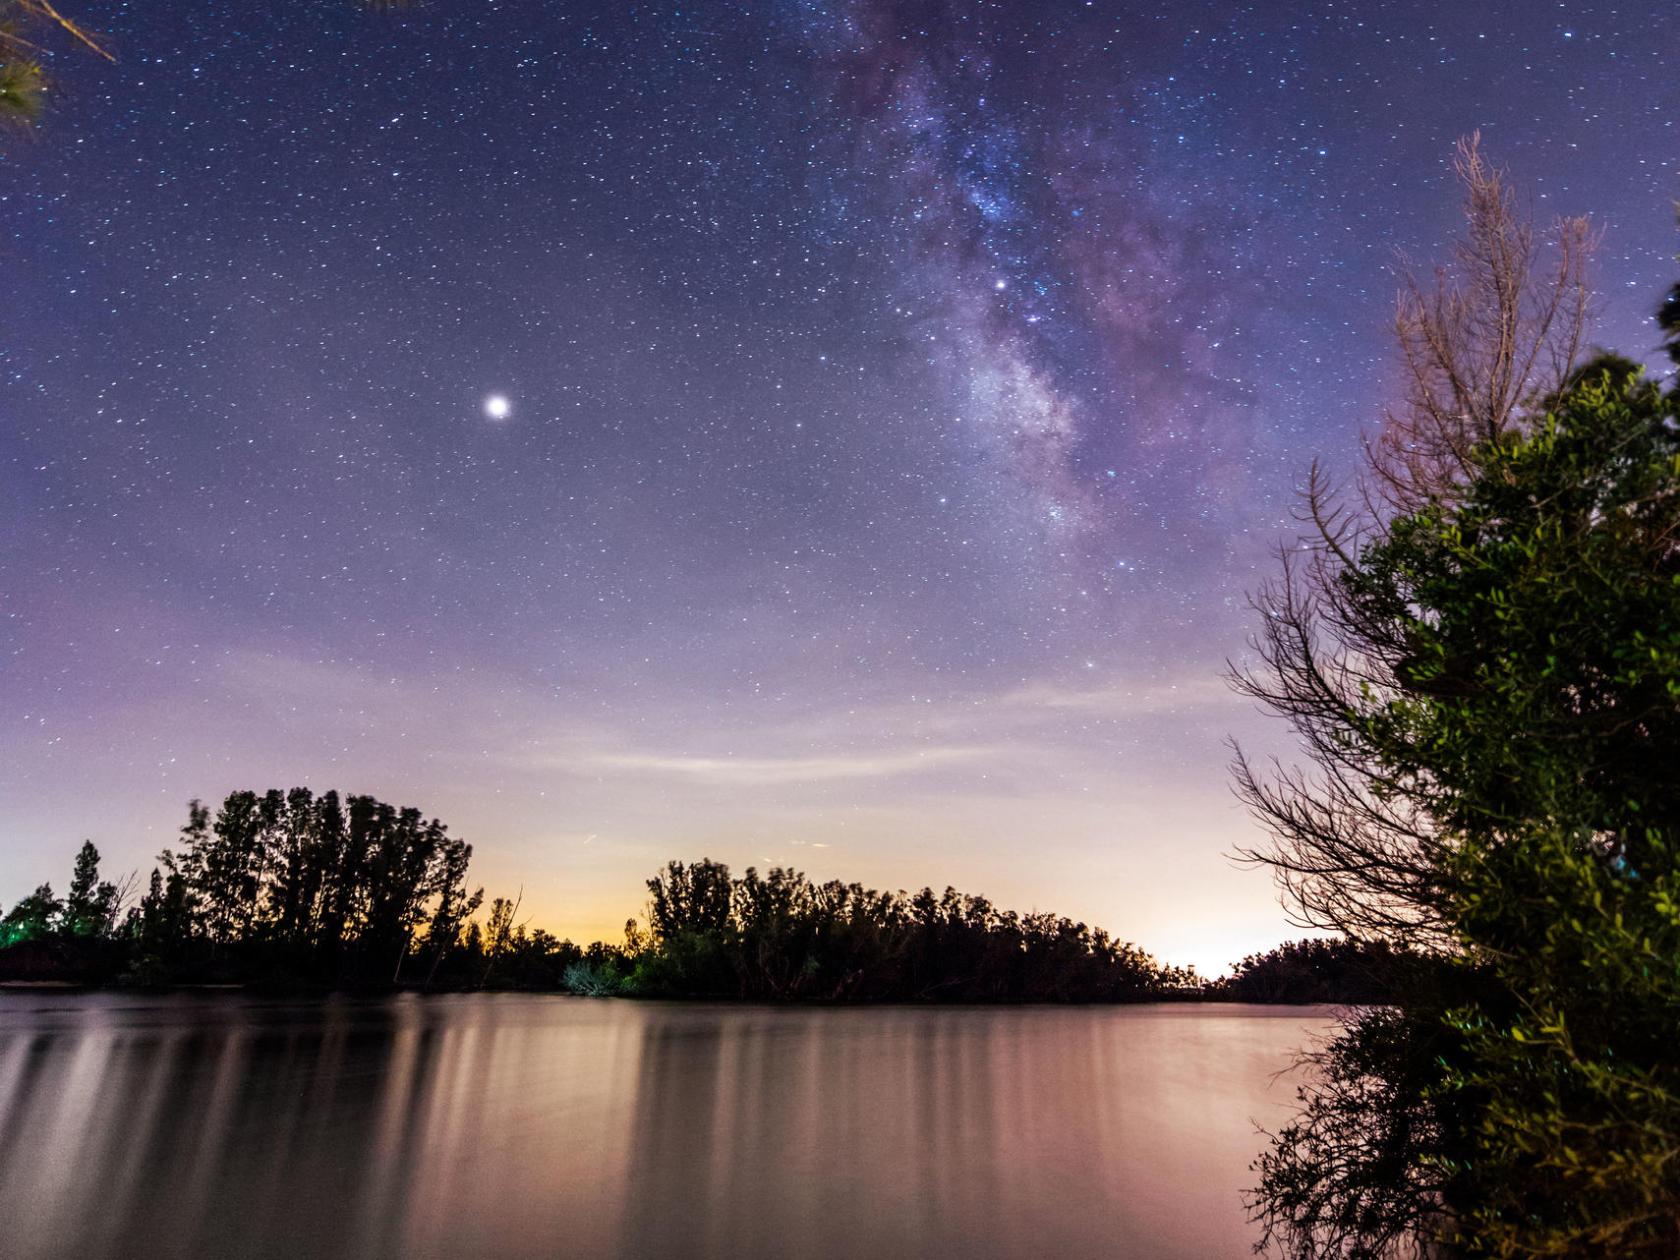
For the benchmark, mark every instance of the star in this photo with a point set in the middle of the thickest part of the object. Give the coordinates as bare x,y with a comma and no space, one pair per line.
834,396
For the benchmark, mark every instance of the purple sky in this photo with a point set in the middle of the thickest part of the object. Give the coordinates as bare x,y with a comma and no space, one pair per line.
902,398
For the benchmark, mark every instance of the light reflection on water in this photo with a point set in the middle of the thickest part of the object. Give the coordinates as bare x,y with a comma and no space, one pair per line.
492,1125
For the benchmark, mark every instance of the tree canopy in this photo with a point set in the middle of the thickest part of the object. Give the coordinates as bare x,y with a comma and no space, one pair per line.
1485,664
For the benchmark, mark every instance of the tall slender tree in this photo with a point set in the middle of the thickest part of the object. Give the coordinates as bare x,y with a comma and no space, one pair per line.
91,906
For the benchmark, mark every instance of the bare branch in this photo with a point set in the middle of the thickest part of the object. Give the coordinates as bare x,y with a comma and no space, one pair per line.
1481,340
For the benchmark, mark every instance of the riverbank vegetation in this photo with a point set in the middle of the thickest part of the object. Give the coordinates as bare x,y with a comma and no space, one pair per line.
778,935
291,889
294,890
1479,646
1327,970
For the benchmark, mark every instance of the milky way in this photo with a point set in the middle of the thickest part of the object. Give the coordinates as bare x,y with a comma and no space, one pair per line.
900,399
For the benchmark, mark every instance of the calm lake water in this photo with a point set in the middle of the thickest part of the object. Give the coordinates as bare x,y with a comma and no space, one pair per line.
491,1125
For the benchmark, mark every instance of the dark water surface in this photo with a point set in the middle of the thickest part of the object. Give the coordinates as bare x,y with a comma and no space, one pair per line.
491,1125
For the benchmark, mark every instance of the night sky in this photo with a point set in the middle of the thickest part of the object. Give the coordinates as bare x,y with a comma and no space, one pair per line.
900,399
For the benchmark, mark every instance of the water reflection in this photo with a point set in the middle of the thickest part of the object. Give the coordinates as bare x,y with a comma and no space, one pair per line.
536,1126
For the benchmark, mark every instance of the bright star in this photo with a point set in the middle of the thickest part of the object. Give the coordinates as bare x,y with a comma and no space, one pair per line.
497,406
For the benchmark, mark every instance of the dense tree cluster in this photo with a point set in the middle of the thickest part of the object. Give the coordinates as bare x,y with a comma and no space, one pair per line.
778,935
1548,666
1334,970
89,911
1482,655
282,885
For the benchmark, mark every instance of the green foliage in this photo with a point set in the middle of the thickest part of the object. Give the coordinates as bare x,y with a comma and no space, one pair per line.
88,910
22,88
25,26
1550,597
1532,1107
596,979
1544,619
31,919
1576,1146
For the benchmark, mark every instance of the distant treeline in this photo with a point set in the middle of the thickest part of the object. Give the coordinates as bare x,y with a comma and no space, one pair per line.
1327,970
778,935
290,889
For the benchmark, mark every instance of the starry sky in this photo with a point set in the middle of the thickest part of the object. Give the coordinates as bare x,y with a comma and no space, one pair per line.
900,399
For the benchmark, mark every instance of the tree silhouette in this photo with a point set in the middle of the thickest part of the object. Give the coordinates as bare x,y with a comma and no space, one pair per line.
1668,319
288,887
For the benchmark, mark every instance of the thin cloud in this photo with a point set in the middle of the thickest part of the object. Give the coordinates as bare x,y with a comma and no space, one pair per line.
1113,700
772,771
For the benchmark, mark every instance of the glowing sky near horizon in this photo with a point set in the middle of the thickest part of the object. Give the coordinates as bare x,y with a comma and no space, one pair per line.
838,435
